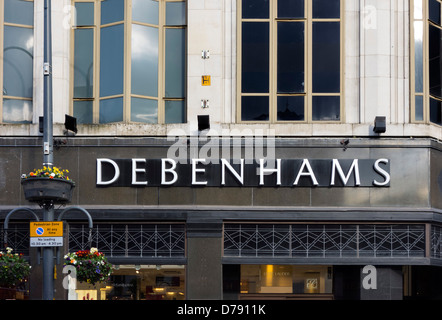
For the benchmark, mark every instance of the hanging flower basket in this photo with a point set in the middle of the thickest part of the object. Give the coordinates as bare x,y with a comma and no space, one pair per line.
91,265
48,185
14,270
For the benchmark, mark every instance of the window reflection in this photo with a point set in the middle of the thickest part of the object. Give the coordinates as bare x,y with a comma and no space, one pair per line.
175,63
112,11
17,111
145,11
285,279
112,60
137,282
20,12
144,110
144,71
18,61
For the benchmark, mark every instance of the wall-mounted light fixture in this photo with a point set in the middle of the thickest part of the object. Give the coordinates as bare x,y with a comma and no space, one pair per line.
70,123
203,122
380,125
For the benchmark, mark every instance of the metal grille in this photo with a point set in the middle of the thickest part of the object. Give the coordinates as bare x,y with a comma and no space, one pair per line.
130,240
436,242
17,237
322,240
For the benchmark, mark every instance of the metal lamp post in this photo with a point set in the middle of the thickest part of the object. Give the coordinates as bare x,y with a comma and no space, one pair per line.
48,156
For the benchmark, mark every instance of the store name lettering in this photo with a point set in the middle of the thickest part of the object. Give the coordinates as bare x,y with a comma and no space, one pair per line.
167,172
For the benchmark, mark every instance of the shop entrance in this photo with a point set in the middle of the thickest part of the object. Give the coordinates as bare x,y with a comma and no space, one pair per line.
285,282
138,282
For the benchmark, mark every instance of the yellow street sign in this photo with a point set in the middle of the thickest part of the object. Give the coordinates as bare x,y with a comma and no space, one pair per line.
205,80
46,229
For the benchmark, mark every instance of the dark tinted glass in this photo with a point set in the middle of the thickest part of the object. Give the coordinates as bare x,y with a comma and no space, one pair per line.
255,108
83,111
85,13
434,11
111,110
435,38
291,9
419,108
290,57
326,108
255,57
18,61
112,11
326,57
18,11
435,111
111,60
83,63
326,8
255,9
291,108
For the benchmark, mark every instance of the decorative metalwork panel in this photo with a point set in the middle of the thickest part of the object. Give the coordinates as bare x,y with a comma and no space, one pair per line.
436,242
323,241
17,237
130,240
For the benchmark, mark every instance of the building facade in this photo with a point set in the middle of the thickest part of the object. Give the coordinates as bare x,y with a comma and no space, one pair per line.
234,149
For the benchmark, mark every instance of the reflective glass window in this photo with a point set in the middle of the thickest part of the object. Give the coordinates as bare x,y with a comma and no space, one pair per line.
18,61
326,57
111,110
435,111
434,11
112,11
418,56
326,9
419,108
144,110
435,35
291,9
175,13
326,108
175,111
83,111
84,13
17,111
291,63
254,108
144,71
112,60
145,11
175,63
19,11
253,9
255,57
291,108
84,63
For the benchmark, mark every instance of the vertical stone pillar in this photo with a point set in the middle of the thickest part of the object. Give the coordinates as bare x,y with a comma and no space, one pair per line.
381,283
204,267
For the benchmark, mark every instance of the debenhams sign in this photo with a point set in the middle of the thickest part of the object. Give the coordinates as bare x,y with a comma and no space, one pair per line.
138,172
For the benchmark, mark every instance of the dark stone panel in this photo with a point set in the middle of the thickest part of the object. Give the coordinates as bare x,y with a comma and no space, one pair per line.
436,179
223,196
281,196
176,196
389,284
10,188
204,269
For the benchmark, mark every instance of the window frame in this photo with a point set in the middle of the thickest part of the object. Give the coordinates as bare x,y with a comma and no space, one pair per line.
2,38
273,62
127,94
425,94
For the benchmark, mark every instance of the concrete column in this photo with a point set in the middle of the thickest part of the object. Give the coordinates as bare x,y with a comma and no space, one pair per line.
381,283
204,268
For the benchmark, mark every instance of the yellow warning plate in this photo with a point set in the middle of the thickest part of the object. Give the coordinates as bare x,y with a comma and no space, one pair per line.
46,229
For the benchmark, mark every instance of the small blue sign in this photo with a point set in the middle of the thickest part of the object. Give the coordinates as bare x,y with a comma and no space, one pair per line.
40,231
